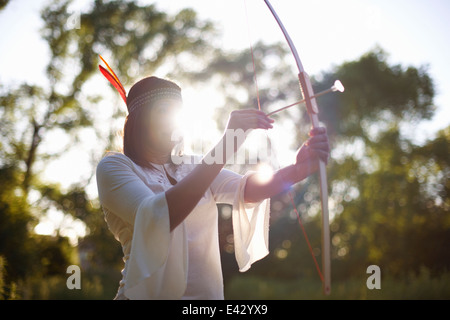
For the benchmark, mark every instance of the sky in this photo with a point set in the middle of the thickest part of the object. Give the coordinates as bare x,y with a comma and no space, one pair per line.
330,32
325,32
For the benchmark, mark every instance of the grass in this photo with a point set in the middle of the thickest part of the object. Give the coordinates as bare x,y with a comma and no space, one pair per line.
94,286
411,287
103,285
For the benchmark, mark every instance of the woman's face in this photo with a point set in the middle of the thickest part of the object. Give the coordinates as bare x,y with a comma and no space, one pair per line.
160,125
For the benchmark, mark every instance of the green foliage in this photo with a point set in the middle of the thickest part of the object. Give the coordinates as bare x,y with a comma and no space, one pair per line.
7,287
137,40
94,286
15,218
389,197
3,4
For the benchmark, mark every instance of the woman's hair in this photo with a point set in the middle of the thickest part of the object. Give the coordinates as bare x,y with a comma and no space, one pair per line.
142,95
133,137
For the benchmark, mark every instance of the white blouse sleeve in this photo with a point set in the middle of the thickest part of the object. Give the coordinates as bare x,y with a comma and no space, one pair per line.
150,271
250,220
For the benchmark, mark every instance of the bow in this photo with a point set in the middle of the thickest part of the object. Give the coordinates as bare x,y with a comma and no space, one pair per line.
309,98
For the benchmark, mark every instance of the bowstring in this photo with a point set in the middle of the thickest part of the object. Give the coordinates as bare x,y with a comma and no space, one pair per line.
272,150
253,58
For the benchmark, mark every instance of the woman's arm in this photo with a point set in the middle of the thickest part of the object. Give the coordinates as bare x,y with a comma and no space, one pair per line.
315,148
258,189
184,196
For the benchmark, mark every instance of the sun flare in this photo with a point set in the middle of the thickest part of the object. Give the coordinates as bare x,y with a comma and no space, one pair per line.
264,172
197,123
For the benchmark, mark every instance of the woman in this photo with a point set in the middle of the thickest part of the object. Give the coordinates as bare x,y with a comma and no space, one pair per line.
165,215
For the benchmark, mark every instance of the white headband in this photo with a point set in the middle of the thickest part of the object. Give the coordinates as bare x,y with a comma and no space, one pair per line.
154,95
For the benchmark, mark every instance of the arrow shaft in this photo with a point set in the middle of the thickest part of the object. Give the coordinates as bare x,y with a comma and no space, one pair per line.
301,101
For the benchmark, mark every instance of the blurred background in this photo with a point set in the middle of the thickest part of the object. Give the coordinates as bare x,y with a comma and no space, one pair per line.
390,133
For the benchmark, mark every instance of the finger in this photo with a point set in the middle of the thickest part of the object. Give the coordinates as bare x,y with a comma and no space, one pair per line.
257,114
318,145
249,111
257,121
317,131
322,146
265,117
318,142
265,124
322,155
318,138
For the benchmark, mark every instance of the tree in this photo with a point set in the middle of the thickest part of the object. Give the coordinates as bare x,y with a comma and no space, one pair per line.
389,197
3,4
138,40
386,192
381,198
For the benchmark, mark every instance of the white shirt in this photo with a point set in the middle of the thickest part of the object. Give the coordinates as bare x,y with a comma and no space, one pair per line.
184,263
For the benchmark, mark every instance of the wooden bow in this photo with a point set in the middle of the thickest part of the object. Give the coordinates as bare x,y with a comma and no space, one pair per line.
311,105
